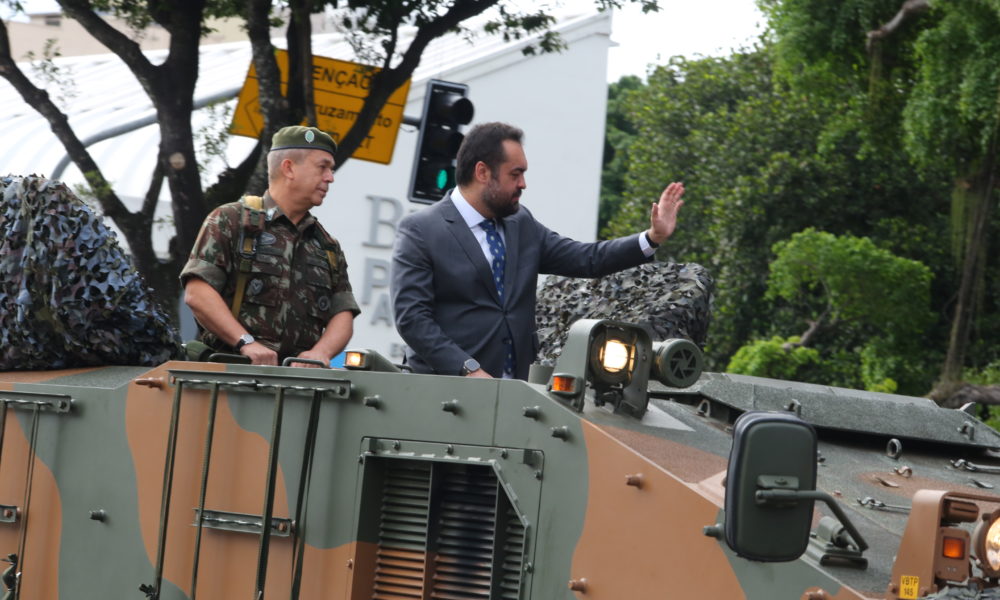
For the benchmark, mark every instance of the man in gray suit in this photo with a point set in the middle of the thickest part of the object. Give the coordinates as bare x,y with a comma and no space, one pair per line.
464,271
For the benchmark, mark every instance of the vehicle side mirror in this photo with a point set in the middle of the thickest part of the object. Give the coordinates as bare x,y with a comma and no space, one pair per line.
772,461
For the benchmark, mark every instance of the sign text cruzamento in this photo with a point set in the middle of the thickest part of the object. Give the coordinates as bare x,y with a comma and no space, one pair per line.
340,89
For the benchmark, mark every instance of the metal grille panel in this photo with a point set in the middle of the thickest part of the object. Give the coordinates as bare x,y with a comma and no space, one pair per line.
399,561
445,532
513,557
463,564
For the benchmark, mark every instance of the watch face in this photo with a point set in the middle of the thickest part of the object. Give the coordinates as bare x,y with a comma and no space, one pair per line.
470,366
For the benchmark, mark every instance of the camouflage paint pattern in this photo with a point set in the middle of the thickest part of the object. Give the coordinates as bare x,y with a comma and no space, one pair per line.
291,290
605,506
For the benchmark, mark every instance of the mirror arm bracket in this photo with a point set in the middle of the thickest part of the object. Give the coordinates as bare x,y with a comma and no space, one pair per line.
785,496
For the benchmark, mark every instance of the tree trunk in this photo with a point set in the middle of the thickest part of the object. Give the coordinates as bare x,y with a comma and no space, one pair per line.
957,394
300,77
273,106
977,194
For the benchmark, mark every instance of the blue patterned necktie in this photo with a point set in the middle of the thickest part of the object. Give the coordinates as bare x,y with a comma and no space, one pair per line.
499,253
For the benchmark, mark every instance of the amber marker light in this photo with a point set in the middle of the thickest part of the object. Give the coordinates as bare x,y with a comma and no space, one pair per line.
953,548
355,360
564,385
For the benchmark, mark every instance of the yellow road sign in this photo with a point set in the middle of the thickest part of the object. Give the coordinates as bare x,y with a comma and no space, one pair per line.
340,89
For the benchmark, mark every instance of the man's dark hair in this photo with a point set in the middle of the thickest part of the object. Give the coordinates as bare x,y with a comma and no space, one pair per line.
484,143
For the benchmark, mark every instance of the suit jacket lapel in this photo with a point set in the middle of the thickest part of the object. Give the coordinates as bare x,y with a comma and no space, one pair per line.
463,235
511,232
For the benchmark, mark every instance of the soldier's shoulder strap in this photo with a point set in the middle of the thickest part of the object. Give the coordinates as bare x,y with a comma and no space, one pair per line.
252,224
330,246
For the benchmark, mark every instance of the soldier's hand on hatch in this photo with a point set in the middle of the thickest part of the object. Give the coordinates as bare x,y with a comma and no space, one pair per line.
663,215
259,354
313,355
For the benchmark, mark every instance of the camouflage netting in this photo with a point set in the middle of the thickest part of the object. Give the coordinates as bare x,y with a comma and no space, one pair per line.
69,296
672,300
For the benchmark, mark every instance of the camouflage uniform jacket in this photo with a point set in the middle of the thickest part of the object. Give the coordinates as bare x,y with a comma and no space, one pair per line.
291,291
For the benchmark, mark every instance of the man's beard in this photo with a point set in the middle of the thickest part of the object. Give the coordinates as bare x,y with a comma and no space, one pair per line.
500,205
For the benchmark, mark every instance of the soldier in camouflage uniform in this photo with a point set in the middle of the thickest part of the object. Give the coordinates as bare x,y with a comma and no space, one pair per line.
297,299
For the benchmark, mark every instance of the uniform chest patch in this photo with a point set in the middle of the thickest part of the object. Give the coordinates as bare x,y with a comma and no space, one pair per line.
266,239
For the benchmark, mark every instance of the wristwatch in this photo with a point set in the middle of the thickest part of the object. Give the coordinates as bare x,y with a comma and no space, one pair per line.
650,241
469,366
245,339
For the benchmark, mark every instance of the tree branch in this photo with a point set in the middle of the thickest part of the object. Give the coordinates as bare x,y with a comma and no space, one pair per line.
388,81
39,99
153,193
909,9
176,72
958,395
115,41
809,333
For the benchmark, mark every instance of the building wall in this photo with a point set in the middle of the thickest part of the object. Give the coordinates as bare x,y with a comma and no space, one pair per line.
71,39
558,99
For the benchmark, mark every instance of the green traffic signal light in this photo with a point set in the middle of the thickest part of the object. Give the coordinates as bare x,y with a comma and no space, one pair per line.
446,109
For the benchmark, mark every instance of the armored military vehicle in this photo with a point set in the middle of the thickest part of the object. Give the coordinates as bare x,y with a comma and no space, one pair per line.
623,473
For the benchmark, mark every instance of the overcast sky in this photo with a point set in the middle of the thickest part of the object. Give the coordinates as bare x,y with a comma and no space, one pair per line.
681,27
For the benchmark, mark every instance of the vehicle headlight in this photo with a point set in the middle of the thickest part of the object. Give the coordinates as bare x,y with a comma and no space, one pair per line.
613,355
991,545
986,542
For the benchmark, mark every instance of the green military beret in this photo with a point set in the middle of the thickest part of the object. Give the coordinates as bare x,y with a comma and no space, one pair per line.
297,136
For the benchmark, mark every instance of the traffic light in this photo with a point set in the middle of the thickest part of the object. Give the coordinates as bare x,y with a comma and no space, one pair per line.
445,109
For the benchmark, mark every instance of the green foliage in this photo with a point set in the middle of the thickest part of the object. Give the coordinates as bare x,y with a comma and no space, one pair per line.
988,375
761,160
850,279
59,81
952,113
925,94
514,25
854,295
212,139
829,124
877,364
823,46
778,358
619,132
